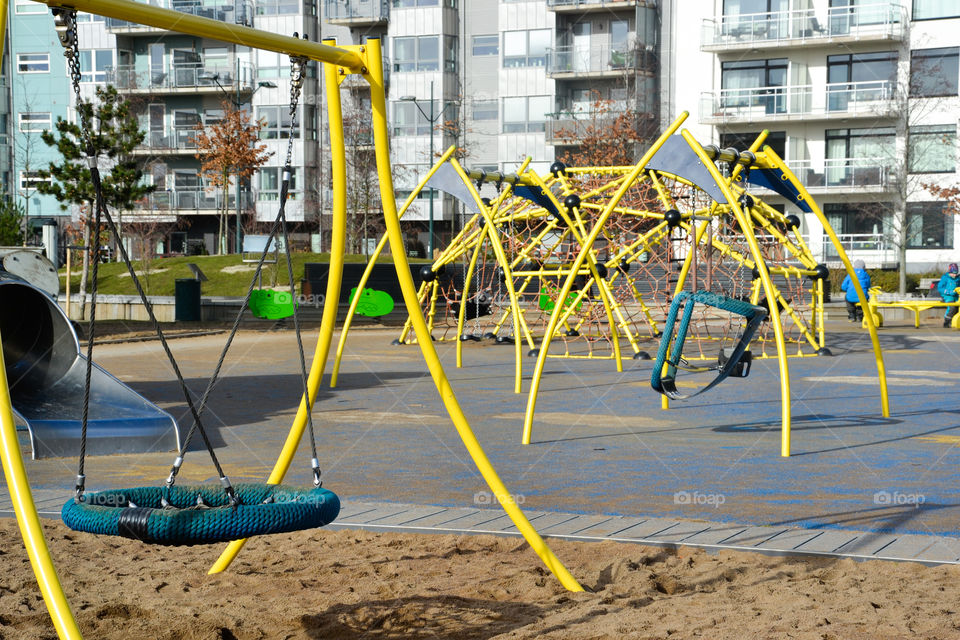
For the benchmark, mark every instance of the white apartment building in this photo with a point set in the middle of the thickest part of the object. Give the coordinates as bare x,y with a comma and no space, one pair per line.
859,96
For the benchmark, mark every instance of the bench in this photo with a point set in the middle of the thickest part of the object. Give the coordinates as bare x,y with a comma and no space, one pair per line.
918,305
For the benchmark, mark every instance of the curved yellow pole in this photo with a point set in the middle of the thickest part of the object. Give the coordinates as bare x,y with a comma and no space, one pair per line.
776,161
26,510
467,279
335,370
746,225
374,75
331,302
578,263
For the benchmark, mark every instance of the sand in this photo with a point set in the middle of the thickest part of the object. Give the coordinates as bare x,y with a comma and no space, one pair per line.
354,584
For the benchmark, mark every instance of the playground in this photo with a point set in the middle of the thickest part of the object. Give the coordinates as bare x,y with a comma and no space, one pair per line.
386,443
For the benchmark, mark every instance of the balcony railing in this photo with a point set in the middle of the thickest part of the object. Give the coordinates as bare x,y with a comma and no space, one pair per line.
600,58
843,173
177,140
187,200
237,12
595,5
874,248
356,12
219,75
873,98
875,21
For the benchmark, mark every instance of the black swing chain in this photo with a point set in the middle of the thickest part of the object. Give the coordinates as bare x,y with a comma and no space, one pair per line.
66,26
297,68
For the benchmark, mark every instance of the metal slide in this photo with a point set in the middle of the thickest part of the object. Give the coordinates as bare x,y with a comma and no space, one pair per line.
46,373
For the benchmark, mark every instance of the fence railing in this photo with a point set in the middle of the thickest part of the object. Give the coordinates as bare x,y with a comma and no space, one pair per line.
238,12
192,75
874,97
878,20
598,58
356,10
843,173
186,200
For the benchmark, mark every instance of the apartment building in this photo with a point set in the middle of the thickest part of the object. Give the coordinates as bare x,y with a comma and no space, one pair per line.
860,98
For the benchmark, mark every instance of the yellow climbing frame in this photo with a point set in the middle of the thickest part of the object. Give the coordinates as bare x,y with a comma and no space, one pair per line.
339,61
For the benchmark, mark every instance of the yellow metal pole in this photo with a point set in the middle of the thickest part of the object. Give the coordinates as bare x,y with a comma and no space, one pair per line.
170,20
331,302
335,370
374,75
575,267
746,226
19,486
868,319
68,273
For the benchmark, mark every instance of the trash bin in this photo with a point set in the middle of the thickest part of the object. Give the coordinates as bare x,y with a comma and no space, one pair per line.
187,300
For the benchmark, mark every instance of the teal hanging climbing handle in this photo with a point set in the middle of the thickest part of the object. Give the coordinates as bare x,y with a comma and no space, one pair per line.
735,362
190,515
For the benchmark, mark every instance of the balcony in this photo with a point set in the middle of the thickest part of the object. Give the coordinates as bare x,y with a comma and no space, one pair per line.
586,6
210,77
873,248
845,174
602,60
178,141
238,12
873,99
875,22
190,201
356,13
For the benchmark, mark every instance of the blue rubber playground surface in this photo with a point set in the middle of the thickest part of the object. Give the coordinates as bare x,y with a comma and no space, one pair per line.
602,445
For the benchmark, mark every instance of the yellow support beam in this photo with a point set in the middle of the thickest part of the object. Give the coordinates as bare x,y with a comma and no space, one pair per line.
177,21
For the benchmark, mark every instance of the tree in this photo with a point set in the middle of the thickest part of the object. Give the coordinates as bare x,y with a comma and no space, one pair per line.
11,215
604,136
227,148
113,133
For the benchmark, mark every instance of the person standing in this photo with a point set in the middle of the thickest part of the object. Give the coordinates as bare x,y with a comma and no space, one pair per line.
948,291
854,310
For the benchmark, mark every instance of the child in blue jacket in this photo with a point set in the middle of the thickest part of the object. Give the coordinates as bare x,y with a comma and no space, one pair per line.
854,311
947,288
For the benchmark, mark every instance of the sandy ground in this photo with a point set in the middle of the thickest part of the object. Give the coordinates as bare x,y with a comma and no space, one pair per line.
348,584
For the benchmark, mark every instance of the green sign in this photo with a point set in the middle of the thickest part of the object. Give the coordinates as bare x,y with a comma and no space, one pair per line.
271,305
372,303
547,303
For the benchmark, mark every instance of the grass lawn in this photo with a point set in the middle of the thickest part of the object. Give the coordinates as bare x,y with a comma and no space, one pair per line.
227,275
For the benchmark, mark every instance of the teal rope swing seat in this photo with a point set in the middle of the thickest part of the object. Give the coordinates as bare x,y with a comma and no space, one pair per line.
191,515
734,362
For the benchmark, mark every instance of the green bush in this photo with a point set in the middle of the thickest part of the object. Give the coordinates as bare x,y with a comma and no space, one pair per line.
887,279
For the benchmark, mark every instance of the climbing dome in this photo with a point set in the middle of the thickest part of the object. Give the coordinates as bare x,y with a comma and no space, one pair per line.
669,230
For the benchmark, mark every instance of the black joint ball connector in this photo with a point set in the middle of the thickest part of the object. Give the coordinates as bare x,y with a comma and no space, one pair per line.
558,169
500,274
820,272
602,270
624,266
486,202
442,269
746,201
793,221
571,202
672,218
755,274
427,274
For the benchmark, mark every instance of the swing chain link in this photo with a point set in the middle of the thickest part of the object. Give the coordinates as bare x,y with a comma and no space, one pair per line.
65,24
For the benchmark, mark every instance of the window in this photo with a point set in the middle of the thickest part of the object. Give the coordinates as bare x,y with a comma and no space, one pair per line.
403,4
35,121
860,77
525,114
28,7
33,63
776,140
859,13
450,58
857,157
929,225
270,181
754,83
738,7
416,53
932,148
486,45
276,123
862,218
30,179
934,72
408,121
277,7
928,9
89,17
484,109
94,64
526,48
